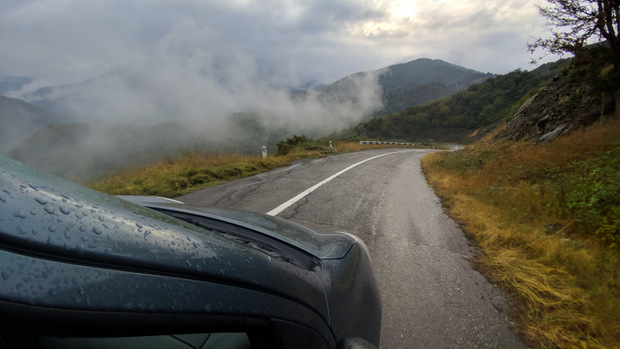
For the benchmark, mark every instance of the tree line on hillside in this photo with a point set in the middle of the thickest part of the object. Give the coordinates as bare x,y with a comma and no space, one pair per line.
450,119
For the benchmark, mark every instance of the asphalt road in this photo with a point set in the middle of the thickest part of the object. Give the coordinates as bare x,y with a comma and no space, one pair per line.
432,298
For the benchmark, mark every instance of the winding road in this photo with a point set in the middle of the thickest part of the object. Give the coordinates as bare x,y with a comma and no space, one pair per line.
432,298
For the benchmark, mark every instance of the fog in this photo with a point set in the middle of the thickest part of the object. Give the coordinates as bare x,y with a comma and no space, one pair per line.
201,92
184,99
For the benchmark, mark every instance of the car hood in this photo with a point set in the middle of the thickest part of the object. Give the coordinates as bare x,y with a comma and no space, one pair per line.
49,218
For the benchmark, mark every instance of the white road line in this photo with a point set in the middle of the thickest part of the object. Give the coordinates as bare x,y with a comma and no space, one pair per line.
290,202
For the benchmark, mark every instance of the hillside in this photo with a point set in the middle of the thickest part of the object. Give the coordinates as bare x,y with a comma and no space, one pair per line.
540,196
84,152
19,120
473,111
582,94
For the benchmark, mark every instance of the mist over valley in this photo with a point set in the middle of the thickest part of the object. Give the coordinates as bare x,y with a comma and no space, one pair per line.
141,114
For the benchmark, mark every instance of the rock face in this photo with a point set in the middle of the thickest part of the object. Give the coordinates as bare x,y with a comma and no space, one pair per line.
559,108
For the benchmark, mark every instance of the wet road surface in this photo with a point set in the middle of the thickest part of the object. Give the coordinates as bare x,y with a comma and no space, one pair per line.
432,298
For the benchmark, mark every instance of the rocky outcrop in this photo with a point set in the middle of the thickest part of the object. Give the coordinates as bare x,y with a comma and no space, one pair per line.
559,108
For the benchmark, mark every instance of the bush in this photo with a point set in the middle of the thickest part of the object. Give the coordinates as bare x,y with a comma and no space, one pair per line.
303,143
591,194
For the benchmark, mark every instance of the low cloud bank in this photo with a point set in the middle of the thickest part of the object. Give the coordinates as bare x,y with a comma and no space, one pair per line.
188,99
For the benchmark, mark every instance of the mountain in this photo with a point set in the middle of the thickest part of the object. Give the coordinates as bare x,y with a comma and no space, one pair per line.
19,119
473,111
413,83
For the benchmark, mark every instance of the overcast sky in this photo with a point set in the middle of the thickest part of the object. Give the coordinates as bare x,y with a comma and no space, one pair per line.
295,42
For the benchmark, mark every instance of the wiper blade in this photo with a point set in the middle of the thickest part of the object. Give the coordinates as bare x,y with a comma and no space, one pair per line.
255,244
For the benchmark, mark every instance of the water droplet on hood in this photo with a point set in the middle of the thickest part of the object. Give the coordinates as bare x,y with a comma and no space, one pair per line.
19,214
93,244
42,201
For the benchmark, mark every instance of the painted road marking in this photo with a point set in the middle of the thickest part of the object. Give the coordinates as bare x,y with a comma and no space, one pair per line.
301,195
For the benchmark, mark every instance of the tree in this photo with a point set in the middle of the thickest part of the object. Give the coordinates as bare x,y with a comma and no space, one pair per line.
578,23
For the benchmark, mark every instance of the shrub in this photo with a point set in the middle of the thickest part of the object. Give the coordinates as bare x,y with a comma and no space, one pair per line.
591,189
303,143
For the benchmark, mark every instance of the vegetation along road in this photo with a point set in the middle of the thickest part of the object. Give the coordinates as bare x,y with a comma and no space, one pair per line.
432,298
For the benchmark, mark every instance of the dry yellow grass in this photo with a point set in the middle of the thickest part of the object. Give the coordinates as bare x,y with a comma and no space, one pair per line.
192,171
196,170
505,195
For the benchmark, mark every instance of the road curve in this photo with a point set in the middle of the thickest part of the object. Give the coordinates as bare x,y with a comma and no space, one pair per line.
432,298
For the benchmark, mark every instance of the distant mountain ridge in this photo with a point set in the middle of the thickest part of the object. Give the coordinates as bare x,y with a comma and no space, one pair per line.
425,70
416,82
402,85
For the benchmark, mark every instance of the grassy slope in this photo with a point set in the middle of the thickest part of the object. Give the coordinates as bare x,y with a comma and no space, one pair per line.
547,223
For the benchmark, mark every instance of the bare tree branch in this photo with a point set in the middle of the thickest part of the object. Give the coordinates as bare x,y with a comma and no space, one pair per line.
577,23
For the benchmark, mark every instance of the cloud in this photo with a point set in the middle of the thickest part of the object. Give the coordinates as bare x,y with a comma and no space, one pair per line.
439,28
295,41
220,97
